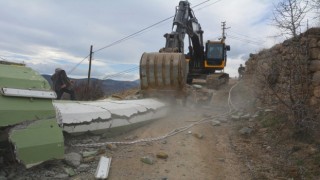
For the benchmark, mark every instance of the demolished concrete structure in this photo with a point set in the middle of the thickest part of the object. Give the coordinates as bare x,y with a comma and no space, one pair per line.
34,123
96,116
27,116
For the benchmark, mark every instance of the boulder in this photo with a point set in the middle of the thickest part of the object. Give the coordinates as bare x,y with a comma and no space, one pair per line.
245,131
73,159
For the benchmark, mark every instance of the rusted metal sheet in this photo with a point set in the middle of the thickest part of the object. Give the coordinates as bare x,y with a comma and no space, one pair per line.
163,72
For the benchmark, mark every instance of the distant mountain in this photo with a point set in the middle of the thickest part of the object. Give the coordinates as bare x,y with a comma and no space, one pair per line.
109,86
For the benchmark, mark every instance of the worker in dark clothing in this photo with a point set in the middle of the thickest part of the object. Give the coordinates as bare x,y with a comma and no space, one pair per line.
241,71
62,84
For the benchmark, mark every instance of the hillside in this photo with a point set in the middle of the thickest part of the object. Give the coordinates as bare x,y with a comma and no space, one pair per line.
109,86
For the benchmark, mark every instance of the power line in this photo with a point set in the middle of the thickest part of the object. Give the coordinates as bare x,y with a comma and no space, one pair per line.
139,32
250,37
245,40
132,35
121,73
148,27
201,3
78,64
206,5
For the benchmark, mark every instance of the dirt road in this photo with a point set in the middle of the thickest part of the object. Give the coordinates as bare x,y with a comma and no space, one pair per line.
204,151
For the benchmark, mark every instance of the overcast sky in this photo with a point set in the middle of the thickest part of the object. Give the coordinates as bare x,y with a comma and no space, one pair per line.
50,34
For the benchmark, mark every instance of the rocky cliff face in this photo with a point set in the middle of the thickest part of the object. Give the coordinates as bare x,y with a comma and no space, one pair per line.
288,75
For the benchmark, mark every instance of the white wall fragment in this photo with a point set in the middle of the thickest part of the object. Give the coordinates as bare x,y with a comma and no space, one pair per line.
102,171
83,116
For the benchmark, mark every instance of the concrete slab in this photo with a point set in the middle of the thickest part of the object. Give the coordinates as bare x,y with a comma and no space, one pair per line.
83,116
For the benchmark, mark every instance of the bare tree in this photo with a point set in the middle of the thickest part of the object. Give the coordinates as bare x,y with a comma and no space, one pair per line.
315,4
289,14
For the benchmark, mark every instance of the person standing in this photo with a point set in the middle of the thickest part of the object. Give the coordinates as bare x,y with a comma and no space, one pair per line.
62,84
241,71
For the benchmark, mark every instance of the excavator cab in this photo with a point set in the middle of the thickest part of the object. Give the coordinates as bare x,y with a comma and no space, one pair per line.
216,56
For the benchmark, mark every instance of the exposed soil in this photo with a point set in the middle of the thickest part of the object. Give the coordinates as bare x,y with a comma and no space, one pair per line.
204,151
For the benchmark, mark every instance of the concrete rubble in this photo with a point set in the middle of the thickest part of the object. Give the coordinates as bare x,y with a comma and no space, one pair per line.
102,171
84,116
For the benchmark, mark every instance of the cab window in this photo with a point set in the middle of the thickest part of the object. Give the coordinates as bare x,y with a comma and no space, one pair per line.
215,51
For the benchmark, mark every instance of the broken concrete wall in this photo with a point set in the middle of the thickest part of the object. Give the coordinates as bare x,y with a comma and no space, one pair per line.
99,116
289,72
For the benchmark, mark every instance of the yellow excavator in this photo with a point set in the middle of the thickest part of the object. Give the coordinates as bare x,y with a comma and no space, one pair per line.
170,69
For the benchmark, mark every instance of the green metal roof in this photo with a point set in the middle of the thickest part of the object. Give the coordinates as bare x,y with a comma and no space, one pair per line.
14,110
15,76
38,137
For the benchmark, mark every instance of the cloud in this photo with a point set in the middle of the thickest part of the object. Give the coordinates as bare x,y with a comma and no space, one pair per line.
49,34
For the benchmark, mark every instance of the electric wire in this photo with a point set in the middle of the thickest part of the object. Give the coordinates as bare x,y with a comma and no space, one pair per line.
206,5
148,27
245,40
259,40
132,35
121,73
139,32
78,64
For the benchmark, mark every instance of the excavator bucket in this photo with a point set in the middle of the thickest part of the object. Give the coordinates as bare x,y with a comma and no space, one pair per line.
161,73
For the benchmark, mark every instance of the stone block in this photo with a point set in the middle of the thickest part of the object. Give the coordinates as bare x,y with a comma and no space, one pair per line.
314,53
313,42
316,79
314,101
314,65
316,91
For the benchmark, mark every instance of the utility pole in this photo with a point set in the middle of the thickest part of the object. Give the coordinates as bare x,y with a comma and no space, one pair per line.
90,59
224,30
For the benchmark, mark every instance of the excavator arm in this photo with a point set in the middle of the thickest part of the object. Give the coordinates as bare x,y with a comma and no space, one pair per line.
170,68
185,22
